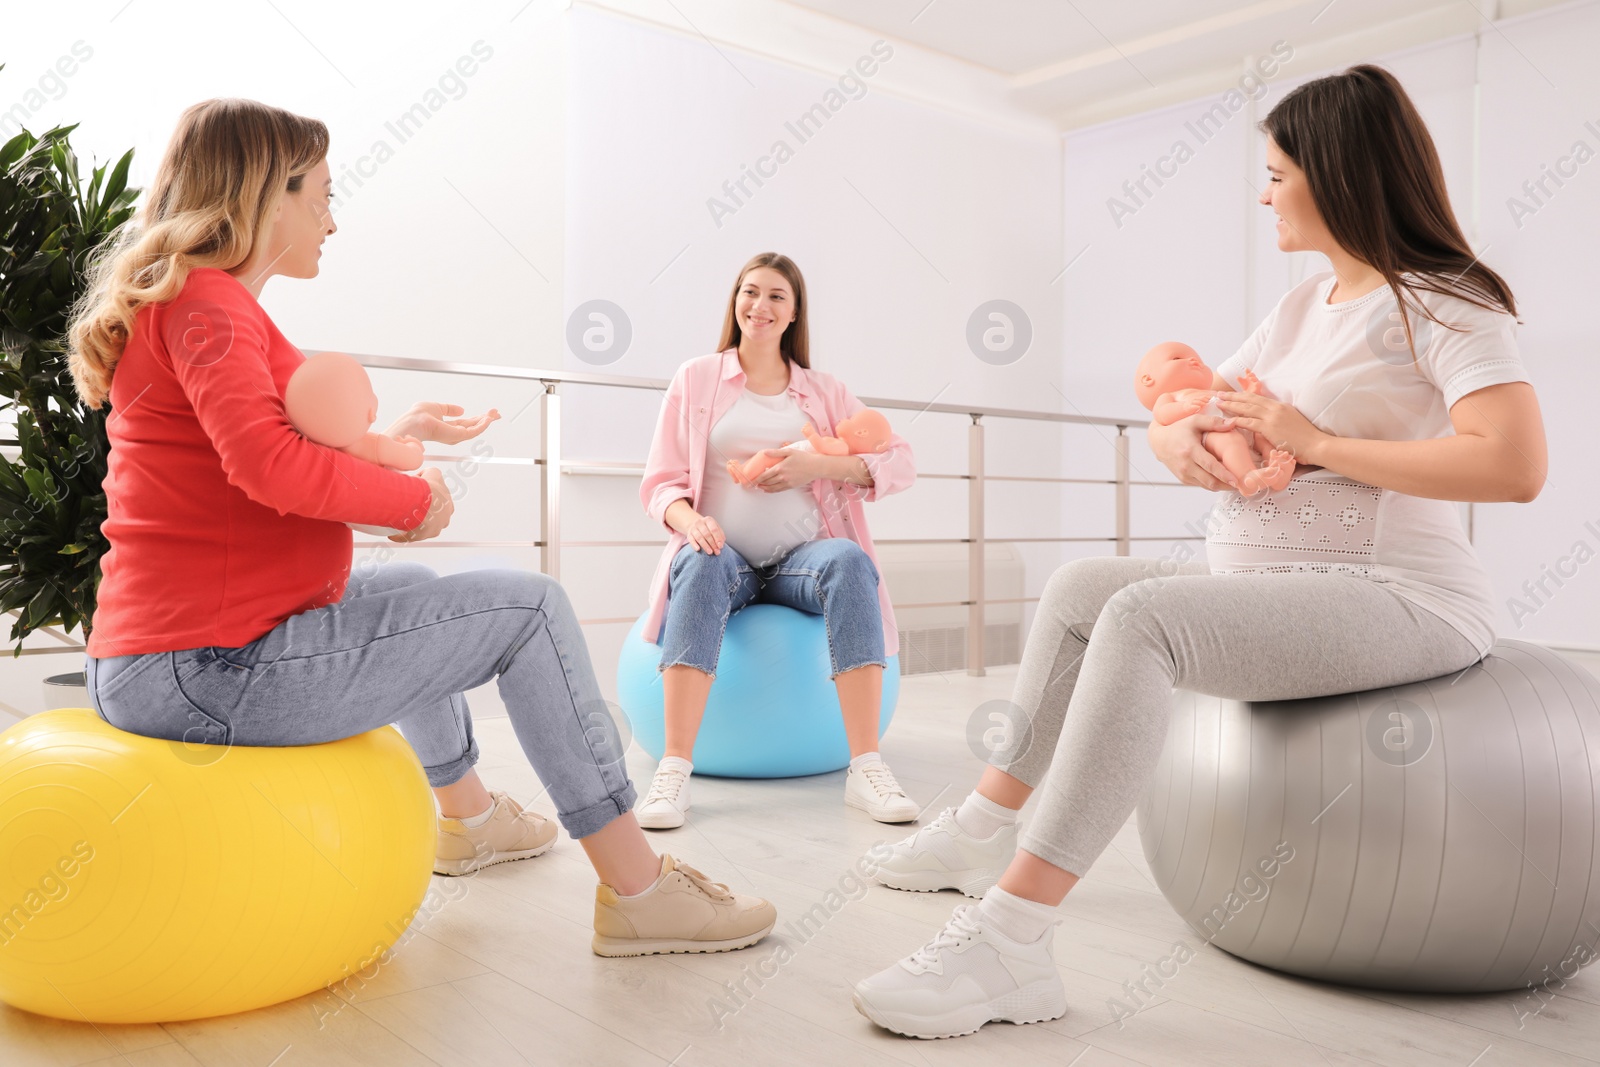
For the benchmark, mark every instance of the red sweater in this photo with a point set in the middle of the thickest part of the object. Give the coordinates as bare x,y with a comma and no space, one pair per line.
223,520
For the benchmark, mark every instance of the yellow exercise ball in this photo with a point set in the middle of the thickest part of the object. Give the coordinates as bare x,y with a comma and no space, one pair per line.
146,881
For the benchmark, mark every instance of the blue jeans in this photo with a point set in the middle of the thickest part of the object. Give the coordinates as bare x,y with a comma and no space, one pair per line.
831,577
400,647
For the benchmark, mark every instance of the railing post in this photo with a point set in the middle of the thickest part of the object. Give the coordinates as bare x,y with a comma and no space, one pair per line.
1123,543
550,454
976,560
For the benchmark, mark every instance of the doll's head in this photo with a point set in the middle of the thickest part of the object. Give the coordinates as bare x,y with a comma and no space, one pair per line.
865,431
1166,368
330,399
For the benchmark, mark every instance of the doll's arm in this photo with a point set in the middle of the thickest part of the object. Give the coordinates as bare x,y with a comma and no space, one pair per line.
824,446
1249,383
402,455
1170,407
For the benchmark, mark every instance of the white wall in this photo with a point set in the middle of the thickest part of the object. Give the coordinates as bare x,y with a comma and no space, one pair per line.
418,268
574,164
903,218
1540,86
1198,262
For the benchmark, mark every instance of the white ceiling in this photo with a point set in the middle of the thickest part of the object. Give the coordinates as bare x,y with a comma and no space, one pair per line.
1078,60
1052,65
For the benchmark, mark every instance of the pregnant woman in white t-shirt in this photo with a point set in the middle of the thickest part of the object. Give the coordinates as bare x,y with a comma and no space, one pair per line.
1354,577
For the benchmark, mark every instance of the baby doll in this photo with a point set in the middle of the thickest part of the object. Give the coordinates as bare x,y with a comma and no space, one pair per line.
865,431
1173,383
330,400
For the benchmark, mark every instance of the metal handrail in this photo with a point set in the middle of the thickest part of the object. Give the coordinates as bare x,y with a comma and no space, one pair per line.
617,381
550,458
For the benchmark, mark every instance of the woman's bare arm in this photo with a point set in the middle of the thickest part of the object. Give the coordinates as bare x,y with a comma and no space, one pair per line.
1498,452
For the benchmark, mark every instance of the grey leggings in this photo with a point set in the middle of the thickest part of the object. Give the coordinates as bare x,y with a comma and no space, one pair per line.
1096,711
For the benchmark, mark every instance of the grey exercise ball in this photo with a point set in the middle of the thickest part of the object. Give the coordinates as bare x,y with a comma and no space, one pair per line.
1439,836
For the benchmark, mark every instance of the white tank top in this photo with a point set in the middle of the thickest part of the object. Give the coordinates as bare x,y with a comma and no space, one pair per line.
762,527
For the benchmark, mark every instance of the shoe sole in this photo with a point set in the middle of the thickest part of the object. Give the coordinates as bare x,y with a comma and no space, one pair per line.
1038,1003
973,883
456,868
661,822
615,947
852,802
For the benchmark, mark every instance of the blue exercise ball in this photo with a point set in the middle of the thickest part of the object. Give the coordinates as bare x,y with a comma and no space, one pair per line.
773,710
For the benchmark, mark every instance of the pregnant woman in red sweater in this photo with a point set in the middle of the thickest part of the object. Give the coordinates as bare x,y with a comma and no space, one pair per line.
227,612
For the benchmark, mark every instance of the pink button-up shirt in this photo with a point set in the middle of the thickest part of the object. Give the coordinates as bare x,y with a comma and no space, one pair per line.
701,392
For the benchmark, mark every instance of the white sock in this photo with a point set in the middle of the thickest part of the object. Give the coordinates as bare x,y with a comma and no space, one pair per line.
474,821
651,886
679,762
858,762
1016,917
982,817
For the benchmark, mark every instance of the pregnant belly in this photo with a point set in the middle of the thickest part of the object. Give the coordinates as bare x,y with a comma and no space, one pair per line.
1320,522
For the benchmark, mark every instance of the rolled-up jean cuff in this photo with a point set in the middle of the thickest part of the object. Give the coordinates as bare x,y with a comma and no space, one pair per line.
450,773
702,668
1056,857
884,663
597,817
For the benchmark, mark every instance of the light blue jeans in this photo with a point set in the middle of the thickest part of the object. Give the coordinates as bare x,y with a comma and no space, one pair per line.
401,646
831,576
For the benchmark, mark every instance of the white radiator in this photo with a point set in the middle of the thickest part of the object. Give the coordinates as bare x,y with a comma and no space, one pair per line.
935,639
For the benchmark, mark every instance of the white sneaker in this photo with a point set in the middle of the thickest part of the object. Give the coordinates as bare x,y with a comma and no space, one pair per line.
664,806
874,790
942,855
968,975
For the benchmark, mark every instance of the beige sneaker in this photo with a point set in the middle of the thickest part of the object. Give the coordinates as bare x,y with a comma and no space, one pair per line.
683,912
510,834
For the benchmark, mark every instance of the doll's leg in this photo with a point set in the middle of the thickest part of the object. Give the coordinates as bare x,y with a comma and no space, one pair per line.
747,472
1232,448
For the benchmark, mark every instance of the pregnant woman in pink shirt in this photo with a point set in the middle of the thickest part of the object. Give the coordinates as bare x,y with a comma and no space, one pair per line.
798,537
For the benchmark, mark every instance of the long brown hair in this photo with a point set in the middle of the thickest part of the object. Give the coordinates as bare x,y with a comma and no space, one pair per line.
795,344
225,169
1375,177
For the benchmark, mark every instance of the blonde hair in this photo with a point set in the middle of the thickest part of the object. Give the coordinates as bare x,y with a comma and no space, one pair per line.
228,164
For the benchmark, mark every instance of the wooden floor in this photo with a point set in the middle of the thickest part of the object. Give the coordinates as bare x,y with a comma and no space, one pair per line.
498,970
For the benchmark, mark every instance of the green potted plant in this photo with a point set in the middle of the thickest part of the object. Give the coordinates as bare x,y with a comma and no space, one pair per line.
51,501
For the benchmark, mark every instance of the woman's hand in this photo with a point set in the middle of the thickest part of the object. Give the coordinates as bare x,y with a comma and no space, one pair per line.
701,530
1180,447
1281,424
793,470
705,535
426,420
440,509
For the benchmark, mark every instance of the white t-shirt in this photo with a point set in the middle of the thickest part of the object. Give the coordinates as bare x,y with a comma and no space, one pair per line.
1348,369
762,527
